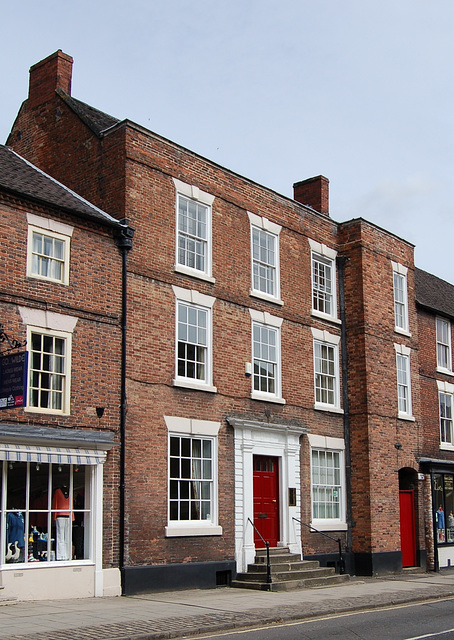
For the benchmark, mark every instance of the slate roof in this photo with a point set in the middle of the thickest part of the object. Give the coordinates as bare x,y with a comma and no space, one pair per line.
434,293
20,178
67,437
96,120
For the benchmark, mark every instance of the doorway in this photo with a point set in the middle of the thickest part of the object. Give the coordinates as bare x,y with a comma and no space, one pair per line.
266,500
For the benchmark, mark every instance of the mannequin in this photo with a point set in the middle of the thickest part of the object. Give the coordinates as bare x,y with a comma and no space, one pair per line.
61,515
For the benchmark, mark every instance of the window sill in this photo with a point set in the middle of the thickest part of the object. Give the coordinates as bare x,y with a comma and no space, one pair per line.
406,416
255,395
187,384
446,372
52,412
445,446
324,525
177,531
325,316
403,332
326,407
265,296
187,271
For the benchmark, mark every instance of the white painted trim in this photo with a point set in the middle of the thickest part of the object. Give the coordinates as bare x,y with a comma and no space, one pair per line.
193,192
445,387
193,297
264,223
322,249
266,318
402,349
399,268
325,336
174,531
193,427
49,224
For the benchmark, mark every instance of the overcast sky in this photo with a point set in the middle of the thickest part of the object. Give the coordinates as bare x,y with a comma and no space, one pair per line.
361,91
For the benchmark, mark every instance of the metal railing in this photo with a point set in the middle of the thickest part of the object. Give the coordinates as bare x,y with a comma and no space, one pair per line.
338,540
267,545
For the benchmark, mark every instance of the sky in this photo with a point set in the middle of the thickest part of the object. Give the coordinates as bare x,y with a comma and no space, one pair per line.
360,91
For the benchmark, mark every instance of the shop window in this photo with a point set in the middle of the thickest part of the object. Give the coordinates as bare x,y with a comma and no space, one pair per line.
443,489
46,514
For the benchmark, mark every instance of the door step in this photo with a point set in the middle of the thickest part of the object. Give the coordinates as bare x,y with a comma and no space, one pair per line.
288,572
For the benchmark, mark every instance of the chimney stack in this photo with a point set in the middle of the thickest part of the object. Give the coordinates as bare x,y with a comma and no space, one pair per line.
314,193
52,73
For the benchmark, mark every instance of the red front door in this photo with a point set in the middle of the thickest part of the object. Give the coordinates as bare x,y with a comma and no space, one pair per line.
407,528
266,500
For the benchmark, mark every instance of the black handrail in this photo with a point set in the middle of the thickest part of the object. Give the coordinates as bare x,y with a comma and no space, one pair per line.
338,540
267,545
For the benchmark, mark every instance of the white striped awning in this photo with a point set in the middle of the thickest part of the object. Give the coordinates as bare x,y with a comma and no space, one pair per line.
46,454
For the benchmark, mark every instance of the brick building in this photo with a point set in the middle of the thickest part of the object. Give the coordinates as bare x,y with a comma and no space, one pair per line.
59,425
272,366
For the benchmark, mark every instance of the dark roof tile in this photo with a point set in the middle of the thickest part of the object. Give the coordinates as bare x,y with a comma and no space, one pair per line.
434,293
19,177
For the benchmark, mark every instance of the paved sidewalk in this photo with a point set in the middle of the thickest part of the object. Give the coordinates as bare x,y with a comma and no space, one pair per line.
182,613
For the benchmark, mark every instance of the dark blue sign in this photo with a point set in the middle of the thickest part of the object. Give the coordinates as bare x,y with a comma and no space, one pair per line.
13,380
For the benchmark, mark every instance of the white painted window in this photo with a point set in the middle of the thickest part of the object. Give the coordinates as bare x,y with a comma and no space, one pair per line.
400,297
444,358
327,482
403,381
445,402
193,339
323,267
266,356
48,249
326,370
265,258
49,346
193,230
192,477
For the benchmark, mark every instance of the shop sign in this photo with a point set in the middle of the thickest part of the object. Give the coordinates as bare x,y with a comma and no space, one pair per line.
13,377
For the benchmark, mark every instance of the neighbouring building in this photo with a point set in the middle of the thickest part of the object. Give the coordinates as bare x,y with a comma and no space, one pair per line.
273,360
60,304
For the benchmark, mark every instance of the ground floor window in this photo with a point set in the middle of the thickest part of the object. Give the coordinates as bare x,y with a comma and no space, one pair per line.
443,489
327,482
46,512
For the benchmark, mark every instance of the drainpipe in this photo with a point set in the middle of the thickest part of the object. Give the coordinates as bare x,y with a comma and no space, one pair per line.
340,261
124,243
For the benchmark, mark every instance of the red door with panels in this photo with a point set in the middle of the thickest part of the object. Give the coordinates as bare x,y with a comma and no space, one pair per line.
407,528
266,500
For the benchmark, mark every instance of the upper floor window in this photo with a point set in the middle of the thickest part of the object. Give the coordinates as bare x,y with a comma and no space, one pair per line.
400,297
265,258
48,249
266,357
445,395
193,339
323,261
444,358
326,370
403,381
193,226
49,344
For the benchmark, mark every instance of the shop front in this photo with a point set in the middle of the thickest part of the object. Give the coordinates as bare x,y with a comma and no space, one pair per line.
51,513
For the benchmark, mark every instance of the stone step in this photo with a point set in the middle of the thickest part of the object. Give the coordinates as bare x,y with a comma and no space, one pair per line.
285,565
277,558
280,576
289,585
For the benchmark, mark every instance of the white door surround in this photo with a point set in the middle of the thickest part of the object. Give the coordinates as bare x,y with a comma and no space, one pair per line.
253,437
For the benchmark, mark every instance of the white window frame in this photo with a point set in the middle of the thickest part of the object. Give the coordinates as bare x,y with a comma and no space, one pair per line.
401,324
446,389
204,429
335,446
324,338
444,346
403,358
199,301
56,325
324,255
191,192
265,319
55,230
268,229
